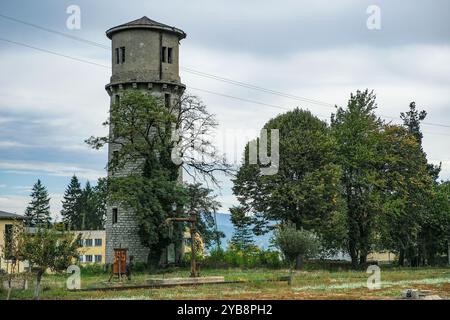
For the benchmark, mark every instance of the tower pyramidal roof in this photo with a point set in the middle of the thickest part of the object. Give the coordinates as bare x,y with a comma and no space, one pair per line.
146,23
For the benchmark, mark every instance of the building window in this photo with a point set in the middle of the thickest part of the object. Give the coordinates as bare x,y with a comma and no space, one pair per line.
117,56
169,55
80,242
98,258
81,258
88,243
98,242
163,54
114,215
88,258
122,51
167,100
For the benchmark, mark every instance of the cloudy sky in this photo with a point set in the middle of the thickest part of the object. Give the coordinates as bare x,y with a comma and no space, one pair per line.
318,50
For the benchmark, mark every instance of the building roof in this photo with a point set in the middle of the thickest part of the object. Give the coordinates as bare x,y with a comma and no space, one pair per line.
146,23
10,216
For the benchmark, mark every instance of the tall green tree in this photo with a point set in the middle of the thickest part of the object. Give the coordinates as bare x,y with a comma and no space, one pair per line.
97,204
201,202
242,235
435,232
72,205
38,210
411,120
407,192
428,199
305,191
357,131
160,141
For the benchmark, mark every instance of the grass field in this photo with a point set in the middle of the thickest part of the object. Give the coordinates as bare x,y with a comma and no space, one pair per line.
306,285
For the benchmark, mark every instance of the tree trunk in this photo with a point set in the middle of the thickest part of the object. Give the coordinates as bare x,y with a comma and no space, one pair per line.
37,288
353,254
362,259
401,257
299,262
291,276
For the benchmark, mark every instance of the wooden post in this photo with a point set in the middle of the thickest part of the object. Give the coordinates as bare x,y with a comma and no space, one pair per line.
193,220
194,272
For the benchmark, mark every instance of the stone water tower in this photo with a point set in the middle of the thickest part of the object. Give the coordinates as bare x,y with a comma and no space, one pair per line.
145,56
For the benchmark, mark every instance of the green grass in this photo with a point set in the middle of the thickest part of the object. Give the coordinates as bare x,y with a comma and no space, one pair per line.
306,285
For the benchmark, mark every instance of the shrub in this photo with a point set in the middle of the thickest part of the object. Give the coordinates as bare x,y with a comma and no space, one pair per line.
252,257
92,269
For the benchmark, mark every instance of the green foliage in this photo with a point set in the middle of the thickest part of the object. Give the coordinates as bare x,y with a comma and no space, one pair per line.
72,205
233,257
306,188
84,209
357,131
92,269
38,210
203,204
48,249
147,134
154,200
93,210
242,235
295,243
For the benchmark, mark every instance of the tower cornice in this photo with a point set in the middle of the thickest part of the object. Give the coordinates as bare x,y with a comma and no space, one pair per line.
146,23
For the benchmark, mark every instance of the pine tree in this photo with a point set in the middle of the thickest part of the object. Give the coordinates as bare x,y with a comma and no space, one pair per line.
93,206
87,209
38,210
99,199
242,236
72,203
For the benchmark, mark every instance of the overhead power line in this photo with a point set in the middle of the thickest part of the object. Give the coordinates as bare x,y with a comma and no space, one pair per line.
192,88
53,53
67,35
203,74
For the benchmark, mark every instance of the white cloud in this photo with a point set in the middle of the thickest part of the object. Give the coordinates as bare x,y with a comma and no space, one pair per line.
18,204
12,144
54,169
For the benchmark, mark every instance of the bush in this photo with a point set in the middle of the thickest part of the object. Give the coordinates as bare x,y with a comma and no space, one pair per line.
92,269
139,267
296,243
252,257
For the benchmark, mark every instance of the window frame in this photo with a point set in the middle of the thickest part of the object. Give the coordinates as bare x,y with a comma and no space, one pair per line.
122,54
170,55
117,56
163,54
115,215
88,243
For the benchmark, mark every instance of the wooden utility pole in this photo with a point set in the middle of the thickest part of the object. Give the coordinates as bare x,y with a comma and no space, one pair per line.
193,230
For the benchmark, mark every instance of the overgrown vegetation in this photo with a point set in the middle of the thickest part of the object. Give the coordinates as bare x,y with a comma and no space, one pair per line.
359,184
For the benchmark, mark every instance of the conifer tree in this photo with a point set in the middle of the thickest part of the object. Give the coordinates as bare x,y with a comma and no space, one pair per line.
72,204
38,210
242,236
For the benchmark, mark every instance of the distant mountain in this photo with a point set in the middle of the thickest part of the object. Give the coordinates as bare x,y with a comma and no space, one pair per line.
224,224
